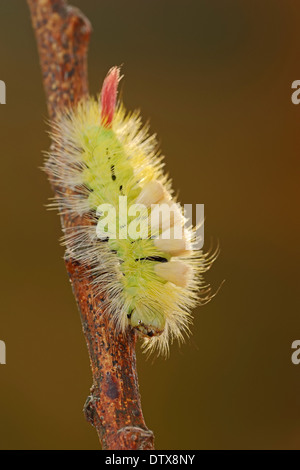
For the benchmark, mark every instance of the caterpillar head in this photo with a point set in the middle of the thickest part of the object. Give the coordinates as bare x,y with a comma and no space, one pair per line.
147,321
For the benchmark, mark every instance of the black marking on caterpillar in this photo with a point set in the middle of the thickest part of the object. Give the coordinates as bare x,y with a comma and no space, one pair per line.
158,259
112,169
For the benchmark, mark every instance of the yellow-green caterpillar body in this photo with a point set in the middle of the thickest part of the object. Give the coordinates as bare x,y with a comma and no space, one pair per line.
104,155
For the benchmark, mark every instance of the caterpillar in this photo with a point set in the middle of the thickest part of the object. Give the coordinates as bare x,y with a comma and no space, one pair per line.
151,281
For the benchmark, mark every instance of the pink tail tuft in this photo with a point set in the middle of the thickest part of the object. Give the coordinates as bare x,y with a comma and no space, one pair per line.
109,96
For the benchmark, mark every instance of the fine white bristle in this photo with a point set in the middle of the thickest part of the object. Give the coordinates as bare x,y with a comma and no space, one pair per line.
151,193
174,271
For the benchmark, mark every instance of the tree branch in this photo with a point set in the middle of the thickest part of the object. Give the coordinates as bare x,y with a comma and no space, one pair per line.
114,406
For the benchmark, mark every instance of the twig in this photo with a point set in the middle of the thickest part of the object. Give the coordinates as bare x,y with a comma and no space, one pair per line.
114,406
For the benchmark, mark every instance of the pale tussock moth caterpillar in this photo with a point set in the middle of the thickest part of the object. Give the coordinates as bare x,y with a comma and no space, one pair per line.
150,283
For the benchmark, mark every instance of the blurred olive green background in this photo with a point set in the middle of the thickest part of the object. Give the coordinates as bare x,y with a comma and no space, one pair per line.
214,78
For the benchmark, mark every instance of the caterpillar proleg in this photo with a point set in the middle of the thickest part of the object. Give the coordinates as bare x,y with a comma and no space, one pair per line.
104,158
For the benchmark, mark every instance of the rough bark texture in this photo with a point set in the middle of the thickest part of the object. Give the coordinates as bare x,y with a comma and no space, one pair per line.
114,405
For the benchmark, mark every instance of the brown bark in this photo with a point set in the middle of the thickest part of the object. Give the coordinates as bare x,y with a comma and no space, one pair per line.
114,406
